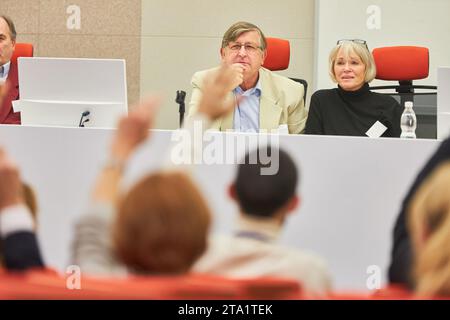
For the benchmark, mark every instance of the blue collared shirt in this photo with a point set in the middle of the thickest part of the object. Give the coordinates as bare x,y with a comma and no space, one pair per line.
246,114
5,72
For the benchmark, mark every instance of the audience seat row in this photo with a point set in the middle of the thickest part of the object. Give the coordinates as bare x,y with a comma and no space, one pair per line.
49,285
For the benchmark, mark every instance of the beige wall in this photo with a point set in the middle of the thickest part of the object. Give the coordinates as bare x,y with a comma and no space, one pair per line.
181,37
109,29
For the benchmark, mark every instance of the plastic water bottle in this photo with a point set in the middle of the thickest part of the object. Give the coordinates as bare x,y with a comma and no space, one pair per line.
408,122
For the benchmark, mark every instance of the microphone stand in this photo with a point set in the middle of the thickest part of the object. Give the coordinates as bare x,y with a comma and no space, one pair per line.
83,120
181,95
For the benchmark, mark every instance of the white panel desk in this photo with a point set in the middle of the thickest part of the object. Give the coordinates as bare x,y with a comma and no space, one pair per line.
351,187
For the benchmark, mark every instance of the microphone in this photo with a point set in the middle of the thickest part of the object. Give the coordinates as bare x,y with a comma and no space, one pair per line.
84,118
181,95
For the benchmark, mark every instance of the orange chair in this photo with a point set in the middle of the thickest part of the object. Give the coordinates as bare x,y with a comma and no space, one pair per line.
403,64
406,64
278,58
22,50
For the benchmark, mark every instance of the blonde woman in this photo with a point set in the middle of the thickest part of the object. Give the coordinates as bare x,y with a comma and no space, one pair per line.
352,109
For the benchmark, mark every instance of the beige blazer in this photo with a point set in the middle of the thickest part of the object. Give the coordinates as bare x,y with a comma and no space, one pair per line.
281,102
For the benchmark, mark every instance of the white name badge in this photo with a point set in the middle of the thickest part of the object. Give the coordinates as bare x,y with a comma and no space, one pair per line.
376,130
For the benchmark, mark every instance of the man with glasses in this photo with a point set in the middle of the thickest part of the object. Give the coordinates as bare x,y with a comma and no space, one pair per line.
8,71
264,100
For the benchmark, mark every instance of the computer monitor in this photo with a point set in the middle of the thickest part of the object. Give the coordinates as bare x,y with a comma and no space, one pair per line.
59,91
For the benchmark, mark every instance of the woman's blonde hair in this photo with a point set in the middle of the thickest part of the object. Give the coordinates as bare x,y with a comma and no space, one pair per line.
162,225
348,48
429,223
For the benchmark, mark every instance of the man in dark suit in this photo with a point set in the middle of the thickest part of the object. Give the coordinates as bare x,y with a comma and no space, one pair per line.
402,255
8,71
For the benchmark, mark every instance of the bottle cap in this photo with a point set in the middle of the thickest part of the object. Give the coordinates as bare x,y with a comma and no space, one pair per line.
408,104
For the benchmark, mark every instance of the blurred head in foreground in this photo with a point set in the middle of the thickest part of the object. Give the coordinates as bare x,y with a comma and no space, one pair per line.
429,223
263,195
162,225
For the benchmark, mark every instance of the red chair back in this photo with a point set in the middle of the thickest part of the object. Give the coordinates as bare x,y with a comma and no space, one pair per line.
401,63
278,54
22,50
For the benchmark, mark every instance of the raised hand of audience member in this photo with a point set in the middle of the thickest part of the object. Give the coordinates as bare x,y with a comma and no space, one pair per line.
132,131
216,89
20,248
10,183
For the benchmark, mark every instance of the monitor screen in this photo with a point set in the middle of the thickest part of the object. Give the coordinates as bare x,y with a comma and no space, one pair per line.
57,91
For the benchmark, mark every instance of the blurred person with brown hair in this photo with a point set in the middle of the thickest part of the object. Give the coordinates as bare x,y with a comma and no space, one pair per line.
29,200
18,243
160,225
402,255
19,249
429,226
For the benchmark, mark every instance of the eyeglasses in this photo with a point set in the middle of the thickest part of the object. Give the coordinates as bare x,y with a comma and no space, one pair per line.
249,47
358,41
